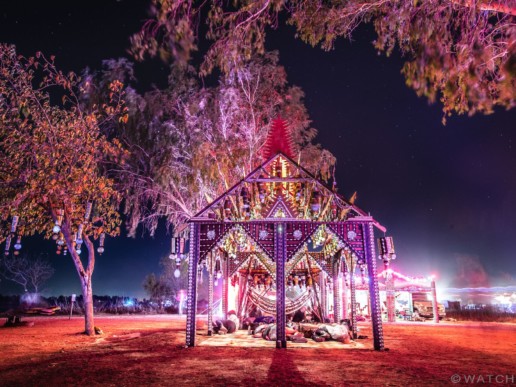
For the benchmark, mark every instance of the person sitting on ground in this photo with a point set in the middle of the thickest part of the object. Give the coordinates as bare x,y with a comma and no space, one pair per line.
233,317
224,326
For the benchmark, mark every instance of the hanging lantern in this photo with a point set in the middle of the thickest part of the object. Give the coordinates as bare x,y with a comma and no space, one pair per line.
177,273
227,208
79,234
182,247
14,224
65,250
18,245
334,211
7,244
245,197
386,249
102,237
261,193
315,202
58,221
87,213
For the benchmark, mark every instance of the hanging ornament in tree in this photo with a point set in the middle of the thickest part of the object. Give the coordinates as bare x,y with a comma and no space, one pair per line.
79,234
182,247
177,272
65,250
87,213
7,244
18,245
14,224
58,221
100,249
173,248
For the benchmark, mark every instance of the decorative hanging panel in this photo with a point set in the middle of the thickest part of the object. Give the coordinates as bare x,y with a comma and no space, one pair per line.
352,234
298,234
210,235
263,234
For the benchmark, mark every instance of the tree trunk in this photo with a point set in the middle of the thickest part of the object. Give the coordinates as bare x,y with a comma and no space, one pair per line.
87,293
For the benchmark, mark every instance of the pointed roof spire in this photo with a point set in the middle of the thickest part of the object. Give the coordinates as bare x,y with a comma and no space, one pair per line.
279,140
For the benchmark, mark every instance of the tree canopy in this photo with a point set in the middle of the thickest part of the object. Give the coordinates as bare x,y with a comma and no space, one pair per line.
54,160
460,51
189,143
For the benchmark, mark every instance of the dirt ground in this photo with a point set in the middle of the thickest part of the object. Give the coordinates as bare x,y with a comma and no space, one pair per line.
149,350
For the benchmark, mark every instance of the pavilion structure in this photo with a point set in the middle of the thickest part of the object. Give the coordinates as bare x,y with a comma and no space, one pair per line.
280,239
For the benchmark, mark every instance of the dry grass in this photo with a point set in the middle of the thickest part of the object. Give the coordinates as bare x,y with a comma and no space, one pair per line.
148,350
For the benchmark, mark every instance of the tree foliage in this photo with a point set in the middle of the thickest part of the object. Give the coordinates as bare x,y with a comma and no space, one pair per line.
190,143
156,288
54,158
461,51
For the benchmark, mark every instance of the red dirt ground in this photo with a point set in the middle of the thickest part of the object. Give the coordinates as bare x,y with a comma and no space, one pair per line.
149,350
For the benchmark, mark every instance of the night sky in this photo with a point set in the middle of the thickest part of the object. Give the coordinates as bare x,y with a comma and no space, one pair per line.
447,194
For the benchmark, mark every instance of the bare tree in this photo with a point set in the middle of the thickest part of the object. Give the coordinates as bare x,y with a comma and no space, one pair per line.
31,274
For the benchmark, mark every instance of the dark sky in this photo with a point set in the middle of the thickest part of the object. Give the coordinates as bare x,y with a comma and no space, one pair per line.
447,194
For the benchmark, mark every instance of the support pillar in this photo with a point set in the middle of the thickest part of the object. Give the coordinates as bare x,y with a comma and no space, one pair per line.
353,299
390,297
324,296
210,293
191,303
345,303
280,255
225,285
374,294
336,292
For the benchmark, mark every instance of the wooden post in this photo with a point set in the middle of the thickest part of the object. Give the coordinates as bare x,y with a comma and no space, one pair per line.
435,306
72,300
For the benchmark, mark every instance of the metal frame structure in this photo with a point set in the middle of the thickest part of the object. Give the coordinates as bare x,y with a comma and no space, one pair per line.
280,211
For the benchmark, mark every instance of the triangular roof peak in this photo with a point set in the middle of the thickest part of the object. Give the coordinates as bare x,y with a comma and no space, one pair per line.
257,196
279,140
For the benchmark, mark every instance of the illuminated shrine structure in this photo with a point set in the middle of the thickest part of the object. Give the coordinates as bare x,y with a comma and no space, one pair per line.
281,239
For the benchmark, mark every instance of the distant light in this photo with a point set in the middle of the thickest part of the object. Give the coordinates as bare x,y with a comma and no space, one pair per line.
128,302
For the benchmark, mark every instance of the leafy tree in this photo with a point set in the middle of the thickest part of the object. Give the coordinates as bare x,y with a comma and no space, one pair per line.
54,161
31,274
157,288
462,51
190,143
